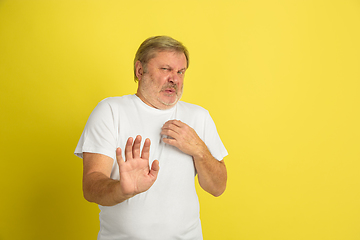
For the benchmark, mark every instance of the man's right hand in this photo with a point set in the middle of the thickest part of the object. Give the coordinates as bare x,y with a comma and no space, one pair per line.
135,175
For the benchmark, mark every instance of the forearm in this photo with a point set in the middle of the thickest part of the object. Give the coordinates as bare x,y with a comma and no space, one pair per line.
212,173
100,189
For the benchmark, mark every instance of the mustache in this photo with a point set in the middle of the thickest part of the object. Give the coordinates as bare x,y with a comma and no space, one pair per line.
169,85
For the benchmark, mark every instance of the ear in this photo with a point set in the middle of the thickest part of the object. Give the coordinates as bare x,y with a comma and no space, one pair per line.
139,70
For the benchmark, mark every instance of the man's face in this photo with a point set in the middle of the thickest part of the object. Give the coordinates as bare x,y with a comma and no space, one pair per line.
161,82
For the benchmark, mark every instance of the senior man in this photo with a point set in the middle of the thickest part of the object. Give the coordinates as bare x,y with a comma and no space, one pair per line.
180,141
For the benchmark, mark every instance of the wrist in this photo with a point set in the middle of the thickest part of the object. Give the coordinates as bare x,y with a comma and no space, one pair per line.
202,153
119,195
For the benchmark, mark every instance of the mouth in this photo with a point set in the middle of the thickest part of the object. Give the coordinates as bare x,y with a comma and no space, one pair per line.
169,91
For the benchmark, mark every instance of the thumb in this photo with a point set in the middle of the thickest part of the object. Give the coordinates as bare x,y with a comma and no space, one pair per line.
119,157
155,168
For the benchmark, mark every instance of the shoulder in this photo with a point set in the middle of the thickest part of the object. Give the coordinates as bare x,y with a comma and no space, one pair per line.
193,109
193,115
112,106
113,101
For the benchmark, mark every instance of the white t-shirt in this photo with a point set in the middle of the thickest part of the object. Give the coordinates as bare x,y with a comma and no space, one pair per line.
170,208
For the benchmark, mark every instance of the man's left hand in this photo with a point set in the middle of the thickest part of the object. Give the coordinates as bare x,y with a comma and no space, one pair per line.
183,137
212,173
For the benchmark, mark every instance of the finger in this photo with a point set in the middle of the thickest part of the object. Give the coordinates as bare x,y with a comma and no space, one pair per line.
154,168
136,147
175,122
128,149
168,134
171,122
171,131
146,149
170,141
119,157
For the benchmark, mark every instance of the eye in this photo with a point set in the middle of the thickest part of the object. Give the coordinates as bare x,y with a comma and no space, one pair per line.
182,72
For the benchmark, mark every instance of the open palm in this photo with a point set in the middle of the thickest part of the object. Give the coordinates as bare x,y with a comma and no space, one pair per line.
135,173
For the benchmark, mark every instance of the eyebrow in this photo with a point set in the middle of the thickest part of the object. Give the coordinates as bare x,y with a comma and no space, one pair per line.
168,66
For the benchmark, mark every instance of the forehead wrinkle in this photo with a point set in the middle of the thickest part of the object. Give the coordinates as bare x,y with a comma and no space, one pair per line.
156,53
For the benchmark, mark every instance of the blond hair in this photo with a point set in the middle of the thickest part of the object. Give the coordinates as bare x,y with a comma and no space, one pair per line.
152,45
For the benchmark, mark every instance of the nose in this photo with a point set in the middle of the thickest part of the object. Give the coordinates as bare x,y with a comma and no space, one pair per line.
174,77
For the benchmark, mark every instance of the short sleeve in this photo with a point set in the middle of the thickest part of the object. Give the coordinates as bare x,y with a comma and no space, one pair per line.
212,139
99,135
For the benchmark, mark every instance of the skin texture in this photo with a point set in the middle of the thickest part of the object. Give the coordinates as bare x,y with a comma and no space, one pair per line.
136,176
160,86
211,172
161,80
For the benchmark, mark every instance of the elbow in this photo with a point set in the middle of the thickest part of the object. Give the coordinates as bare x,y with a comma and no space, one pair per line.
87,195
219,188
214,190
218,192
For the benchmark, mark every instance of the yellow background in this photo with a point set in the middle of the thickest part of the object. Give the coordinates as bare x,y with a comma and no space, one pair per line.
280,78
